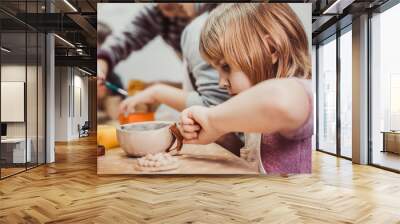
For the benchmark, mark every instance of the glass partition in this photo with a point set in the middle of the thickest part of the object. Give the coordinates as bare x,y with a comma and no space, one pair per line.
32,96
14,151
22,77
327,96
346,93
41,109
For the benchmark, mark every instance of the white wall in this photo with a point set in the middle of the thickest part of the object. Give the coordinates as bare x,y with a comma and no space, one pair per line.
80,97
61,103
12,73
67,112
33,127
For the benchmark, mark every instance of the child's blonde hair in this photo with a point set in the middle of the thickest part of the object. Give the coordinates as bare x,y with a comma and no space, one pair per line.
246,35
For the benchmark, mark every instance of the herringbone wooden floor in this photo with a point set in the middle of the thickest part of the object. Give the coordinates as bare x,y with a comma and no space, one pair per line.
69,191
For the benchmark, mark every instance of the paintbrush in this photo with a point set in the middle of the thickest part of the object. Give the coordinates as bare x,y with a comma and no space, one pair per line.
115,88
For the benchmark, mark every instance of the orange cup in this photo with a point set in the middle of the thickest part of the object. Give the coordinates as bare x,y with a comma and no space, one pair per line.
107,136
136,117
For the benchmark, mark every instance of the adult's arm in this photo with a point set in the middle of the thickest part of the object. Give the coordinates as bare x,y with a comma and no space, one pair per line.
137,33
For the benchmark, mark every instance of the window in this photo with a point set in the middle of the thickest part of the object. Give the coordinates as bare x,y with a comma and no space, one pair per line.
314,83
394,101
327,96
346,93
385,89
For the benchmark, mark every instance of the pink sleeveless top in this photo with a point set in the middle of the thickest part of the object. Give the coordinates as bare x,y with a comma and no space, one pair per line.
290,155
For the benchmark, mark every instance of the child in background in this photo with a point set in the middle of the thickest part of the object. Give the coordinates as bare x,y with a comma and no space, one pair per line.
261,53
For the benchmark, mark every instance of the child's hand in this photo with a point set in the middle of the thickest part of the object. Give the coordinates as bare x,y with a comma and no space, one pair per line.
146,96
196,127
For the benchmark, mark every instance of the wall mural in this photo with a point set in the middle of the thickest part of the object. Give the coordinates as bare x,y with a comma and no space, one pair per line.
191,88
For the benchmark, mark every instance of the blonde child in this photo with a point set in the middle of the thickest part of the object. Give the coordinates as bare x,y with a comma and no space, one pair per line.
261,53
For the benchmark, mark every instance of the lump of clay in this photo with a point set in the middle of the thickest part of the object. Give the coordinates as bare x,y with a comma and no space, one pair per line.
157,162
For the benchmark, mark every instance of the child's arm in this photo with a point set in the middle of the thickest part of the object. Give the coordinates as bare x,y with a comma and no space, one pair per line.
159,93
279,105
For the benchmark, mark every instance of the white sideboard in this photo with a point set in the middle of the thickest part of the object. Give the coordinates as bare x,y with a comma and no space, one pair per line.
18,150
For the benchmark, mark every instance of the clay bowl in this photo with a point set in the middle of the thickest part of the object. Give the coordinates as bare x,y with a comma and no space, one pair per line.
141,138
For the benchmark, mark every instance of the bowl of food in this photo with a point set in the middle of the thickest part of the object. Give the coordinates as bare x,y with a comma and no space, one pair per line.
142,138
136,117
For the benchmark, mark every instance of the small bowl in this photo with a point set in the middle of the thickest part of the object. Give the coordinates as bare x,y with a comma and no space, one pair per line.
141,138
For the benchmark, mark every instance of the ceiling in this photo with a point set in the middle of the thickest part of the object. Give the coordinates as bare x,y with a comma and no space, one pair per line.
75,21
332,15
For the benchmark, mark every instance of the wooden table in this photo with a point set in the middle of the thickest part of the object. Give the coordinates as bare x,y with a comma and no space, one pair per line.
194,159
